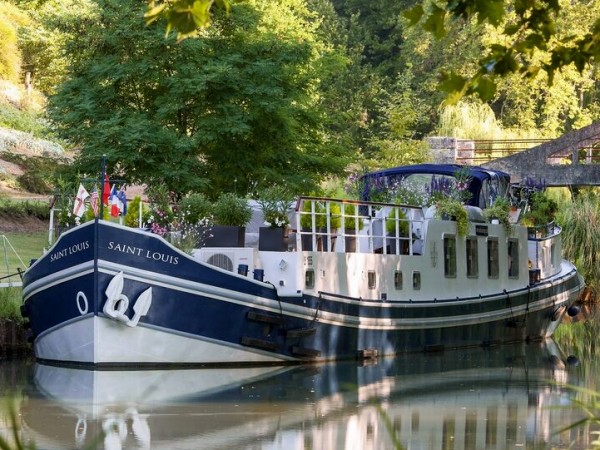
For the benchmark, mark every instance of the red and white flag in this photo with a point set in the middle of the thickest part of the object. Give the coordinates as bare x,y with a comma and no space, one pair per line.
94,201
79,206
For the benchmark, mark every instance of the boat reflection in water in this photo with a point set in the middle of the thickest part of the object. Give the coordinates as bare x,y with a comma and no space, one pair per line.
494,398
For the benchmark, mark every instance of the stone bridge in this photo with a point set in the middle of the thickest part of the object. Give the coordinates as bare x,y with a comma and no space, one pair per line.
570,160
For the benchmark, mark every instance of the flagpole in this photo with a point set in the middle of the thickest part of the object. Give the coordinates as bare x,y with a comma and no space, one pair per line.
102,178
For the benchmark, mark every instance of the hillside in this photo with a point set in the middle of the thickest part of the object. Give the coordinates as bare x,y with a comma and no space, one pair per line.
21,147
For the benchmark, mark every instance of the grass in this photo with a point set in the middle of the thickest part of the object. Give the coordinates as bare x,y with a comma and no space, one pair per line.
16,251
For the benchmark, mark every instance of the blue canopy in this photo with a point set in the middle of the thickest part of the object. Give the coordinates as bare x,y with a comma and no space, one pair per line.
485,184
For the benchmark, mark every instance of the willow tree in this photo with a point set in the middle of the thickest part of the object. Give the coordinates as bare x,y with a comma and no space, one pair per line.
235,106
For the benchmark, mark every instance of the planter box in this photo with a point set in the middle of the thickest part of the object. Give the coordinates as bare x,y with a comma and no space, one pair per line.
273,239
226,236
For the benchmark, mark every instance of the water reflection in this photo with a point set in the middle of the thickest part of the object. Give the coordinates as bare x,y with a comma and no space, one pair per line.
494,398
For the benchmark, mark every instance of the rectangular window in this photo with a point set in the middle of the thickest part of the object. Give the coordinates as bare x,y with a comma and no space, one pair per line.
416,281
371,279
492,250
513,258
472,258
309,279
398,279
450,256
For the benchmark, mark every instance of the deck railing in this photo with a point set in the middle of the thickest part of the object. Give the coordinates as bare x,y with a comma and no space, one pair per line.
347,226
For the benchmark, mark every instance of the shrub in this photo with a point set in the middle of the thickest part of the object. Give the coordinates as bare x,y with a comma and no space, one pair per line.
232,210
132,218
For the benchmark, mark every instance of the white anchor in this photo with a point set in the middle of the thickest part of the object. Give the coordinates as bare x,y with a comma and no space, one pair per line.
117,302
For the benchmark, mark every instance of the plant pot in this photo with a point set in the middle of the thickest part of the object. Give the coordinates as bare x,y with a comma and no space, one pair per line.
273,239
350,244
226,236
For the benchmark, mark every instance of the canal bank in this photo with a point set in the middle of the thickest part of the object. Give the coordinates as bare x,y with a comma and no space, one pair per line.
13,340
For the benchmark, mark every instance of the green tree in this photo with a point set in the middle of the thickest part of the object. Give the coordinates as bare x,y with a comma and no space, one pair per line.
528,28
216,113
10,54
52,24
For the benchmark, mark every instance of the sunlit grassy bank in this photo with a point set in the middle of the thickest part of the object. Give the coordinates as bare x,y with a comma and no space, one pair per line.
16,252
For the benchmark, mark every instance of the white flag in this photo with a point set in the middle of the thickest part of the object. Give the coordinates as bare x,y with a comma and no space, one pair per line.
79,206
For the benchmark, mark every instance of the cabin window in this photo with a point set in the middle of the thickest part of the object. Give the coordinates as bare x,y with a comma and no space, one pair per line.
416,281
472,258
309,279
450,256
492,254
398,279
371,279
513,258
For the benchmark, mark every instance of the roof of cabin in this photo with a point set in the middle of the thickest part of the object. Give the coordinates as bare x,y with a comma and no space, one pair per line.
478,174
442,169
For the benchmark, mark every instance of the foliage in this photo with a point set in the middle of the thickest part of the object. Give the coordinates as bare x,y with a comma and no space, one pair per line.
376,189
191,236
310,208
193,222
26,208
161,215
229,209
193,208
238,103
10,304
20,119
409,192
10,55
542,209
397,215
321,215
401,116
13,440
352,221
275,203
184,17
132,217
64,194
453,209
52,24
580,221
499,210
529,28
469,120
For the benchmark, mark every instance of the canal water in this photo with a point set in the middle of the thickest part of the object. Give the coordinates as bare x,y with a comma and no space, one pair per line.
504,397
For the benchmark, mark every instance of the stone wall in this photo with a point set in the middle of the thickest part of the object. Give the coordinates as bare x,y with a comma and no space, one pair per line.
449,150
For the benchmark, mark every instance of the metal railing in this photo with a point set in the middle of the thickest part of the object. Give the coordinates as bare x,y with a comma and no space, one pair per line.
348,226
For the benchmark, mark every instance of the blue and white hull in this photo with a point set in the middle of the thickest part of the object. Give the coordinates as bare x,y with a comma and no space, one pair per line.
110,295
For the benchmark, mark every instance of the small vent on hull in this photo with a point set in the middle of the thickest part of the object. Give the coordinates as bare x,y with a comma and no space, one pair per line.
220,260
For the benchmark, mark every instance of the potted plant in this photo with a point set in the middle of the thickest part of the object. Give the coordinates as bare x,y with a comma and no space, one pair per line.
500,212
451,209
275,203
231,214
539,220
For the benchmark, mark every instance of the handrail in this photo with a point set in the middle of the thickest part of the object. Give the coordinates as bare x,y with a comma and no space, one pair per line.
324,223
